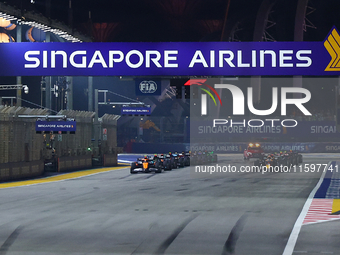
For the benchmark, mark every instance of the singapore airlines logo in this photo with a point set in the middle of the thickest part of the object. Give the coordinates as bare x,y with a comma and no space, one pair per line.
332,45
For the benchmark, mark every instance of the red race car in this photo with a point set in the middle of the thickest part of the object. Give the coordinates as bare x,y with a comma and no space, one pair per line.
254,150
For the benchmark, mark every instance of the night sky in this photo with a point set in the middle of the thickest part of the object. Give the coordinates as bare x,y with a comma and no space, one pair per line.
185,20
171,20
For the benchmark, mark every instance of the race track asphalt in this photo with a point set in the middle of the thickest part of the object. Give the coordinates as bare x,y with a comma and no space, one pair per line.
175,212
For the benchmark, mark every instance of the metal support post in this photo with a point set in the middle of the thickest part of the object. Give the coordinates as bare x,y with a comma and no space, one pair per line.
48,15
19,92
161,126
69,80
96,125
185,130
90,93
48,81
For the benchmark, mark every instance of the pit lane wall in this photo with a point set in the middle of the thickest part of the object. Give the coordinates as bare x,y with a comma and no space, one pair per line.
21,154
24,153
70,145
21,170
73,149
229,147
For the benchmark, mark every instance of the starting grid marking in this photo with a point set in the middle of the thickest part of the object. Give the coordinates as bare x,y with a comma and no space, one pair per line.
317,209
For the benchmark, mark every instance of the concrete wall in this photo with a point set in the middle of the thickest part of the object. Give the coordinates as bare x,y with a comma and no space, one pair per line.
20,146
109,160
21,170
75,144
109,143
18,140
67,164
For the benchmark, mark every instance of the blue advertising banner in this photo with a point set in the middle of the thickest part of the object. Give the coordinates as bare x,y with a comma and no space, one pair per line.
50,126
136,110
148,87
304,129
165,148
170,58
304,147
320,147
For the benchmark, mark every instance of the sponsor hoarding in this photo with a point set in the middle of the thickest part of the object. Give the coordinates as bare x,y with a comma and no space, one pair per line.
181,58
55,126
136,110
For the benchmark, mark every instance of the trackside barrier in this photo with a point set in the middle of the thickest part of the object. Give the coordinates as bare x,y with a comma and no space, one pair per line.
21,146
67,164
159,147
315,147
18,139
109,160
21,170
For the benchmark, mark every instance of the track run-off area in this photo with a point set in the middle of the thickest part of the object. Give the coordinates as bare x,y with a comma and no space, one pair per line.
110,211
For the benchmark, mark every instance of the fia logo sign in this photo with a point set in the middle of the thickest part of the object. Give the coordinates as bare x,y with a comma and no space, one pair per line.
148,87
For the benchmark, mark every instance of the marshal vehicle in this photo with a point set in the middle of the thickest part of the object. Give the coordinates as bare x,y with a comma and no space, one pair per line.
254,150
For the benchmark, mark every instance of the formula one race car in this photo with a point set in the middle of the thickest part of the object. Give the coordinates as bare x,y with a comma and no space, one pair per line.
254,150
299,157
288,159
146,165
180,161
282,159
173,159
293,158
164,162
211,157
186,158
202,158
197,158
268,161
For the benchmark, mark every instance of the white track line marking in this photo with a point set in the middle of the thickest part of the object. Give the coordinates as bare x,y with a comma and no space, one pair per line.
289,249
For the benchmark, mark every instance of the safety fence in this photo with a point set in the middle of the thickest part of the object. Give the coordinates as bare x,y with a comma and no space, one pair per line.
20,145
18,139
75,144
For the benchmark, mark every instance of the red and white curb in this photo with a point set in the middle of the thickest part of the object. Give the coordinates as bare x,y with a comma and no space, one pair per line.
320,211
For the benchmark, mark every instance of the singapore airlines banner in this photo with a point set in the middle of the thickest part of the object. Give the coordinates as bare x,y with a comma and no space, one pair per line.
202,130
183,58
